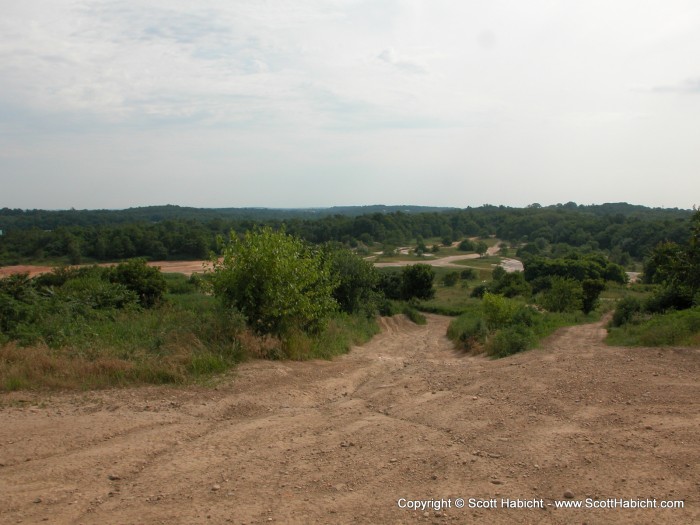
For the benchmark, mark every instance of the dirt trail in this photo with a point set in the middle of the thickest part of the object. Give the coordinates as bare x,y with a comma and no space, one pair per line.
341,442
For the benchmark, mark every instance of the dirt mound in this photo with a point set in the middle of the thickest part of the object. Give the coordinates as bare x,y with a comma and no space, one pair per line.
402,418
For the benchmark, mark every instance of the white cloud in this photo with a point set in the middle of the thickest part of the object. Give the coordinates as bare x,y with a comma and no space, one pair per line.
316,89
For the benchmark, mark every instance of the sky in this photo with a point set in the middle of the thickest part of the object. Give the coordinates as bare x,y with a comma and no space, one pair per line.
316,103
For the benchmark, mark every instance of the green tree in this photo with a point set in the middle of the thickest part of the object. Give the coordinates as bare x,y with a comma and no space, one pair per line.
357,280
565,295
146,281
277,281
450,279
466,246
591,289
417,281
677,268
481,248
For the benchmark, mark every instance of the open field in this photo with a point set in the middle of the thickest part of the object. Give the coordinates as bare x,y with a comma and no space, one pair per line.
403,416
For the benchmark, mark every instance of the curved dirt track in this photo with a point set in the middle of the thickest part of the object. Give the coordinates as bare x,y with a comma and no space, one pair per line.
404,416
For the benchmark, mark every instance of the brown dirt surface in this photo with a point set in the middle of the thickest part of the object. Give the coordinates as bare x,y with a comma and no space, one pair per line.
184,267
341,441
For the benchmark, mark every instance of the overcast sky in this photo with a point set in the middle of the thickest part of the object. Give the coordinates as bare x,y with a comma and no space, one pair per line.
298,103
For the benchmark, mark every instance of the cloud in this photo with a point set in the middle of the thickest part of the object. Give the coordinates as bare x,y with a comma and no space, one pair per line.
688,86
390,56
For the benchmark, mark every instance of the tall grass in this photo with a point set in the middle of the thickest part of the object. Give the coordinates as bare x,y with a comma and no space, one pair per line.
186,338
681,328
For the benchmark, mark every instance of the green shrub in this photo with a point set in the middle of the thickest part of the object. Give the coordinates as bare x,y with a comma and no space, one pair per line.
498,311
479,291
356,280
510,340
96,293
148,282
417,281
450,279
565,295
277,281
467,331
673,328
466,246
468,274
626,310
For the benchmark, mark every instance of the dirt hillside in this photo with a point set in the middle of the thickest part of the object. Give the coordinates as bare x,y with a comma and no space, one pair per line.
344,441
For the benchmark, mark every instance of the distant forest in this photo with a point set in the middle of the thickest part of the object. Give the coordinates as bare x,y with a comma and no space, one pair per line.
625,232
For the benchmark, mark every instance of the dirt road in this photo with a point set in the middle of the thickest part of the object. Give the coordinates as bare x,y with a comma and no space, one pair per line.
342,442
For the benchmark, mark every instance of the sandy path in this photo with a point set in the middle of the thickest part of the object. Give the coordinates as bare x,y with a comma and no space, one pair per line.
342,441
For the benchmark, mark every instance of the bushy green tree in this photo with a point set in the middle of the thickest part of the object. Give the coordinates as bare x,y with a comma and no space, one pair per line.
498,310
277,281
677,268
591,289
450,279
146,281
468,274
466,246
356,281
565,295
417,281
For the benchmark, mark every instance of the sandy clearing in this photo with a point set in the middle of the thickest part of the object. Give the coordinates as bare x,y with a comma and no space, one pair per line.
342,441
510,265
184,267
190,267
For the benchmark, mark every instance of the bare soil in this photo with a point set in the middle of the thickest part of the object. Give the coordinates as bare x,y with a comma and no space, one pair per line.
403,416
184,267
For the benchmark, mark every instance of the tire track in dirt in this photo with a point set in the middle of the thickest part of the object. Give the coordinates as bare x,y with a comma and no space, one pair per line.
342,441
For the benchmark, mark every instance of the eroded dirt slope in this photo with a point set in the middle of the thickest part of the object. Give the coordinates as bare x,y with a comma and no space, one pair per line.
341,442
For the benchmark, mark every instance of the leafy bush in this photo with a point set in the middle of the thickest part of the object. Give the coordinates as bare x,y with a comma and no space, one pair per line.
468,331
277,281
146,281
479,291
510,340
673,328
668,297
391,284
468,274
565,295
466,246
96,293
498,311
591,289
450,279
417,281
626,310
509,284
357,281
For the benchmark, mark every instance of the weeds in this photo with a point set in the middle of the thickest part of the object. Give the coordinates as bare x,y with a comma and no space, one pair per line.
680,328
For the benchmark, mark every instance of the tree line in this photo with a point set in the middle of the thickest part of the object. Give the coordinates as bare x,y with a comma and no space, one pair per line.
625,232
